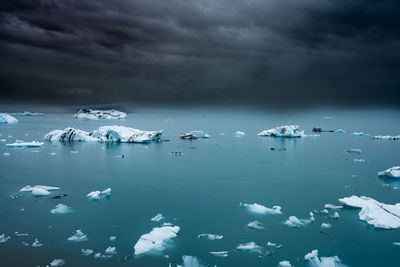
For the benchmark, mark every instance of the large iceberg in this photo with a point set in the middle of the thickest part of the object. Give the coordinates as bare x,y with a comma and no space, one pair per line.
5,118
393,172
290,131
27,113
114,133
94,114
156,239
380,215
313,259
26,144
260,209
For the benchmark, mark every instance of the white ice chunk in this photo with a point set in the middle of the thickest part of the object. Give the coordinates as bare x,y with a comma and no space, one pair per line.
340,131
326,225
333,261
113,238
293,221
222,254
86,252
378,214
29,188
358,134
155,240
354,150
94,114
68,135
27,113
79,236
190,261
393,172
333,207
250,246
26,144
4,238
96,195
157,218
239,134
39,192
110,251
255,225
284,264
290,131
260,209
36,244
57,262
210,236
61,209
5,118
125,134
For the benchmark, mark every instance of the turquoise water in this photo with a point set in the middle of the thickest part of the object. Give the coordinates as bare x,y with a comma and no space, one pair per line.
202,189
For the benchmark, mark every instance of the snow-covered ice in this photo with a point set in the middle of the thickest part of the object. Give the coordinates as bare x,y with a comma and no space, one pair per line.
113,238
250,246
5,118
94,114
26,144
255,225
284,264
283,131
156,240
61,209
29,188
260,209
57,262
4,238
239,134
157,218
313,259
210,236
96,195
293,221
125,134
393,173
79,236
110,251
380,215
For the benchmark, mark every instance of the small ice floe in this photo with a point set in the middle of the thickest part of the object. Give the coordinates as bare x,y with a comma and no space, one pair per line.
57,262
380,215
255,225
190,261
121,134
39,190
335,215
324,211
283,131
5,118
250,246
27,113
293,221
79,236
210,236
4,238
358,134
222,254
333,261
156,240
320,130
74,151
354,150
326,225
20,234
26,144
239,134
386,137
96,195
285,264
86,252
157,218
113,238
396,243
340,131
95,114
36,244
333,207
61,209
194,135
393,173
359,160
6,154
260,209
110,251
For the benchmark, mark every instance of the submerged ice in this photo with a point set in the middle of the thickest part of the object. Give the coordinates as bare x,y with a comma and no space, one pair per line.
291,131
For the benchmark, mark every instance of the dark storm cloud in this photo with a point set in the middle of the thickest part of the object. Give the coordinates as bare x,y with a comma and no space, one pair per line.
190,51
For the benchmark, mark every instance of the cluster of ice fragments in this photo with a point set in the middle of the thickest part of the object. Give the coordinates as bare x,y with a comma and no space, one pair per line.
94,114
118,134
375,213
290,131
156,240
5,118
61,209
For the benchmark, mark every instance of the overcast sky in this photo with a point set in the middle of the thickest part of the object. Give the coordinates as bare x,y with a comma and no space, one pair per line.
261,52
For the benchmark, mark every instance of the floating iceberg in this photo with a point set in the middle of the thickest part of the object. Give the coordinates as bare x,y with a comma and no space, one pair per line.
39,190
61,209
285,264
156,239
283,131
260,209
340,131
378,214
79,236
57,262
86,252
210,236
293,221
222,254
333,207
96,195
239,134
36,244
255,225
250,246
326,225
4,238
5,118
110,251
68,135
354,150
393,173
94,114
26,144
333,261
194,135
27,113
157,218
386,137
358,134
